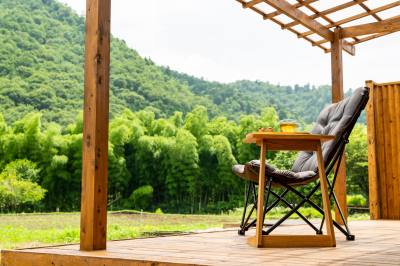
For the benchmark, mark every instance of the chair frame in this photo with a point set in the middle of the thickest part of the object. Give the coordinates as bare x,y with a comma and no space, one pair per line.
334,158
251,188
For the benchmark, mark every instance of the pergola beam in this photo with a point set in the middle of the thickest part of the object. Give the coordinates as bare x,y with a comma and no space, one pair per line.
298,34
371,37
327,11
346,46
297,15
285,8
358,16
251,3
369,11
293,11
277,13
386,26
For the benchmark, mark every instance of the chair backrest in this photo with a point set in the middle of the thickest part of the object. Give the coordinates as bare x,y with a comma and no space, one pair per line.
337,119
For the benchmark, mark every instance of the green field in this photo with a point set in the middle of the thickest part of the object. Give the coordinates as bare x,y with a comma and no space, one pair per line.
30,230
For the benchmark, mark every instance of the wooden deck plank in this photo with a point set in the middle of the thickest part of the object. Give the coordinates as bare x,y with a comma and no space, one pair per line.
377,242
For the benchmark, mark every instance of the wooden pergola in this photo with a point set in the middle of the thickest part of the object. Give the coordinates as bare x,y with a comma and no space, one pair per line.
333,29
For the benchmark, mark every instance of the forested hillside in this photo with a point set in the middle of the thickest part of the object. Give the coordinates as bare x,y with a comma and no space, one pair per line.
41,68
245,97
173,137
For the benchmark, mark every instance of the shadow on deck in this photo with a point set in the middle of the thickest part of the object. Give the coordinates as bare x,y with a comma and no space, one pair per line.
377,242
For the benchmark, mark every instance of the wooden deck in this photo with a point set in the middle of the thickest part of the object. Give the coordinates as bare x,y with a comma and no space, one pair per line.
377,242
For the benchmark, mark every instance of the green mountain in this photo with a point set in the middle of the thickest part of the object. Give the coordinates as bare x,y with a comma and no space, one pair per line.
246,97
41,68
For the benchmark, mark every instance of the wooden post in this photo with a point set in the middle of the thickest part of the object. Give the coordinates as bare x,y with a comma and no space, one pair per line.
373,182
95,130
338,95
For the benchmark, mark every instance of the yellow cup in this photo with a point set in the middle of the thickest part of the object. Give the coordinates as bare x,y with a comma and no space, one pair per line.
288,126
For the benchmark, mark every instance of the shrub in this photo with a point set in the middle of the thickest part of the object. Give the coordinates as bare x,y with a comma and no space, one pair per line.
141,197
16,186
159,211
356,200
23,169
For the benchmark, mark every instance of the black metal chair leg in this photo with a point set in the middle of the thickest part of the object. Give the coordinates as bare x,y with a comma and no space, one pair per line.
346,231
297,212
267,198
247,193
246,225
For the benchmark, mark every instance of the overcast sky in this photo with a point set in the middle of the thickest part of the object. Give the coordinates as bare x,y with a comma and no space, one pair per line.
219,40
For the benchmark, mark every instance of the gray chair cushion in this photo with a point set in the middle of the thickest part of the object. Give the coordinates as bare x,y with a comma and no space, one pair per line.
336,119
251,170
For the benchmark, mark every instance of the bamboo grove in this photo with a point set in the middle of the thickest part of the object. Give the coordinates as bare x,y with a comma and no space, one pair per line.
179,164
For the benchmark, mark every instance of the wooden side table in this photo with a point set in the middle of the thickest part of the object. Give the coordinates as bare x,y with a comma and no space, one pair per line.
291,142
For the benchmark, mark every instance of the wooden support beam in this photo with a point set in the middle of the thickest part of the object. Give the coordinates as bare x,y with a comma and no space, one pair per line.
277,13
95,130
285,8
260,12
386,26
326,18
338,95
327,11
371,37
348,47
251,3
297,15
369,11
315,11
358,16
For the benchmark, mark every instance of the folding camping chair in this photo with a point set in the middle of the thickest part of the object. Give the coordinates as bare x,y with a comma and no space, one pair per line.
337,119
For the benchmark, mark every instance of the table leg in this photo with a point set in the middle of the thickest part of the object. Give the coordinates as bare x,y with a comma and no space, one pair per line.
261,190
325,197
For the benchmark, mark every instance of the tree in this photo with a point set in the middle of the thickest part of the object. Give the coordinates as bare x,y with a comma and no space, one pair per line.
141,198
16,186
357,161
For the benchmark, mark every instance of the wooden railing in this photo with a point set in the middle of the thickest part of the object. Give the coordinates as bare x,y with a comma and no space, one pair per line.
383,120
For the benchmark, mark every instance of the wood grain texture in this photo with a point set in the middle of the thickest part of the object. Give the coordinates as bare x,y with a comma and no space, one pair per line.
389,26
330,233
338,95
322,21
374,205
285,136
377,243
292,241
95,131
252,3
291,141
383,117
261,191
296,14
381,152
329,10
337,67
388,150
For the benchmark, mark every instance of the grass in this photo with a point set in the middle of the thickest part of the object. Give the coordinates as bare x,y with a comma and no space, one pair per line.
31,230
